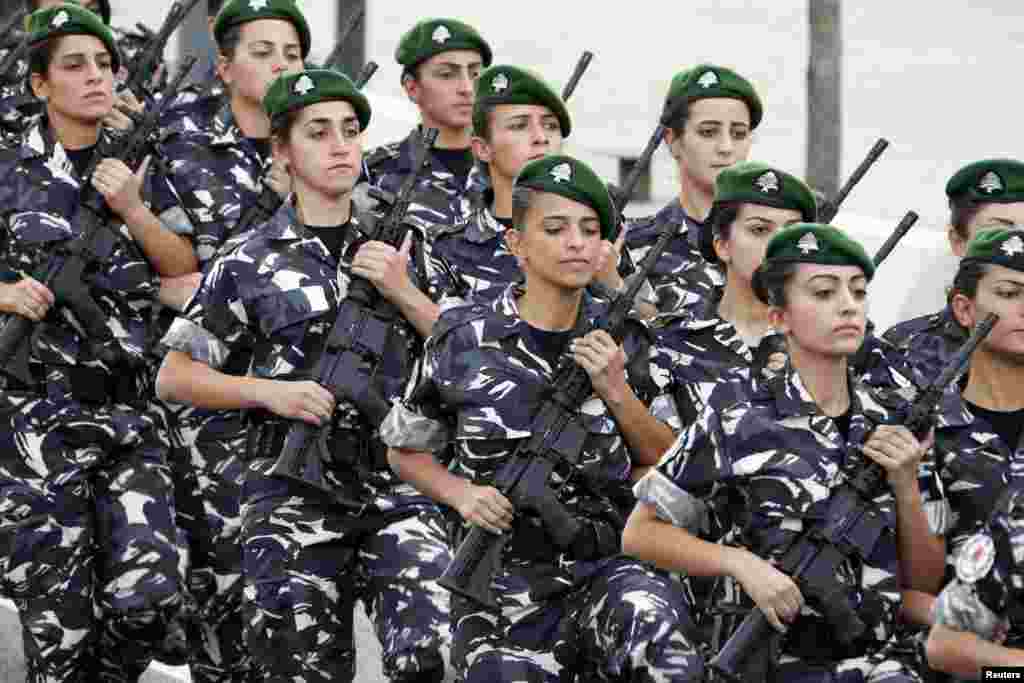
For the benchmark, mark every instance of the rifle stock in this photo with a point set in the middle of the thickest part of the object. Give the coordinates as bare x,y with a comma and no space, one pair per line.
352,352
813,560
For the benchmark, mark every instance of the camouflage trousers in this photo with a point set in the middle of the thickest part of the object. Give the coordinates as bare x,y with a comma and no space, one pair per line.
626,623
209,469
306,563
94,573
867,669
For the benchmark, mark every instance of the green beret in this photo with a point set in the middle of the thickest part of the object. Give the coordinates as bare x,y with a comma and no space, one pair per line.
512,85
571,178
296,91
705,81
69,19
1001,246
993,180
433,36
752,182
818,243
237,12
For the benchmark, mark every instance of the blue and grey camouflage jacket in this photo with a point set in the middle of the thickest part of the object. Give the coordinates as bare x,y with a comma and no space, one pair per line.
482,383
39,195
209,173
767,466
682,279
471,259
276,297
973,464
439,199
987,595
927,343
708,351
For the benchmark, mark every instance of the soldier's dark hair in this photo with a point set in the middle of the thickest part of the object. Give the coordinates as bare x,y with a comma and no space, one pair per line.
960,217
281,125
229,42
966,282
721,218
40,56
522,197
678,120
770,280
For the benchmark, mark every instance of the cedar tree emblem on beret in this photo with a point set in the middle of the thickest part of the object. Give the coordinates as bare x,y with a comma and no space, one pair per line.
441,34
60,19
499,83
257,5
991,183
767,182
562,173
707,80
1013,246
808,243
304,85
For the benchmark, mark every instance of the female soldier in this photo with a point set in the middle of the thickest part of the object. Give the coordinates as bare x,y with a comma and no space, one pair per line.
979,617
982,195
517,117
753,201
582,611
216,156
308,556
711,113
978,432
80,450
782,450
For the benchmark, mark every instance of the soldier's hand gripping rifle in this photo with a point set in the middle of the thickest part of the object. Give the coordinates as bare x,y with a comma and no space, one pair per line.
354,349
269,201
556,435
850,529
64,272
146,63
830,207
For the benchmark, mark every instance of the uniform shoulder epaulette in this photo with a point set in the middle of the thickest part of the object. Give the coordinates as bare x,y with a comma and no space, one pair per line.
457,316
382,154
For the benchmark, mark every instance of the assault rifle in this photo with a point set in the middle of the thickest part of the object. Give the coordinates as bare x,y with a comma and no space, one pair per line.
146,63
269,201
851,527
556,435
902,229
577,74
830,207
64,272
352,353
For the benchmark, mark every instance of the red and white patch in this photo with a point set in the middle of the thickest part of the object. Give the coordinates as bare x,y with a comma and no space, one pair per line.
975,559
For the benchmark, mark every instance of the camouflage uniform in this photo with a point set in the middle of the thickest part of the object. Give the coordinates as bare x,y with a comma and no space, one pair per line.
439,200
973,464
210,172
305,559
82,451
927,343
682,279
986,596
775,457
472,258
561,618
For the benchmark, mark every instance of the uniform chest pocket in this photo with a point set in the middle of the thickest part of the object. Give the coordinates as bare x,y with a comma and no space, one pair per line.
290,308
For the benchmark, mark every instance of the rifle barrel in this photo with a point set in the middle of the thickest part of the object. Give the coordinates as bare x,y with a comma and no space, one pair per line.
902,229
366,74
577,74
831,207
332,59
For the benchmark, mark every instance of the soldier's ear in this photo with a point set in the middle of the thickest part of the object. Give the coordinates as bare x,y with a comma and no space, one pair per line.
411,86
670,139
481,150
40,87
222,69
513,239
964,310
778,319
957,244
721,248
